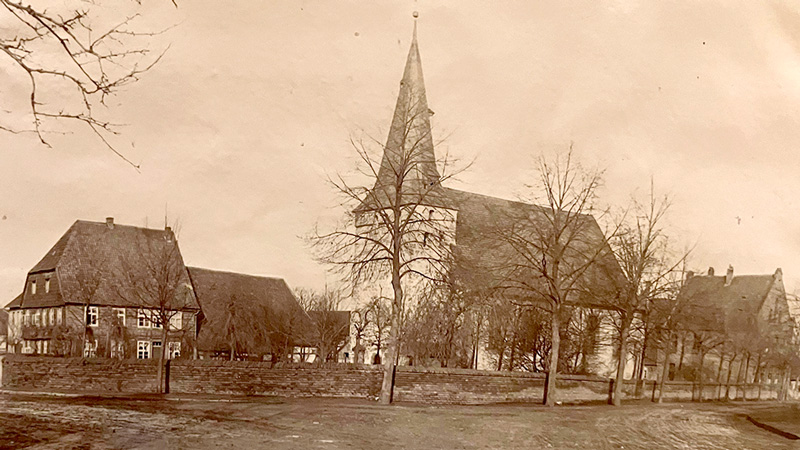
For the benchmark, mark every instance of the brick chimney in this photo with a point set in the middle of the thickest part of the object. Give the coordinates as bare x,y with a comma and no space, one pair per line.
110,223
729,275
711,271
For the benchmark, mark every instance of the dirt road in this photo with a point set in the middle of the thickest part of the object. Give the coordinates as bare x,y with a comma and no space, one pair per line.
257,422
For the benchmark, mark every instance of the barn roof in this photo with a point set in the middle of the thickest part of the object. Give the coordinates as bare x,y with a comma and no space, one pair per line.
250,296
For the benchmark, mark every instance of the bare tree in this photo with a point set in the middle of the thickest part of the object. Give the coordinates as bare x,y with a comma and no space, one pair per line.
641,249
553,248
74,55
331,326
154,278
399,230
379,313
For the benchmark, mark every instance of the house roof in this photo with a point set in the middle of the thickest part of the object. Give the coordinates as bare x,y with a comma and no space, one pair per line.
109,264
714,306
264,303
16,303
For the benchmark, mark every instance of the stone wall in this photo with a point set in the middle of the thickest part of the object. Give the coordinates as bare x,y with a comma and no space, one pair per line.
42,373
413,384
261,378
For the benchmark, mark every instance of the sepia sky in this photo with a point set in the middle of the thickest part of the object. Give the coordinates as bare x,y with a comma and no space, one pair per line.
255,102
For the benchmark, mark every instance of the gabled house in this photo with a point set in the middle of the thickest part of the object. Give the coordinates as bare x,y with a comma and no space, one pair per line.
247,316
104,290
748,312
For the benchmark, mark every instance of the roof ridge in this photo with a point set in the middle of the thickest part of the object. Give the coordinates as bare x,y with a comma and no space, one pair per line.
269,277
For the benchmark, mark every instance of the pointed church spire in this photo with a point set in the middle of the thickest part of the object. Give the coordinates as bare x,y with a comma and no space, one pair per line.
409,146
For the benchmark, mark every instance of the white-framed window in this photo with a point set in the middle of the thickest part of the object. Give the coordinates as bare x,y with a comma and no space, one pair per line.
91,316
119,313
26,318
33,287
39,347
46,285
174,350
59,315
90,349
155,319
52,316
37,315
156,348
176,321
45,347
142,320
143,350
118,349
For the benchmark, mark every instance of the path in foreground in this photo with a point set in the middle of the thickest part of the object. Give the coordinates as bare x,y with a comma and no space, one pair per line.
200,423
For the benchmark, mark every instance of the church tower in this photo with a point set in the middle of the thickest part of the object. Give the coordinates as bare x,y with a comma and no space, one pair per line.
408,155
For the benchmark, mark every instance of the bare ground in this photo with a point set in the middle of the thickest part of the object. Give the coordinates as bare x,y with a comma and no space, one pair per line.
264,422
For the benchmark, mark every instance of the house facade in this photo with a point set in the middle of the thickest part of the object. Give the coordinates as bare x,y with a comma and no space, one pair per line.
107,290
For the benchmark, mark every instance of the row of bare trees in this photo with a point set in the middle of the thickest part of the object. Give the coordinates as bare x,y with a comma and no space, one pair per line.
547,286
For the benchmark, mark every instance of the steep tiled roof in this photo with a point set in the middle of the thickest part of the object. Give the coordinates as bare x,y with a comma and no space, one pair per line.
481,218
714,306
16,303
256,298
108,264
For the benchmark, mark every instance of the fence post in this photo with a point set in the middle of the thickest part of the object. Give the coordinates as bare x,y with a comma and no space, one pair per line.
166,377
611,391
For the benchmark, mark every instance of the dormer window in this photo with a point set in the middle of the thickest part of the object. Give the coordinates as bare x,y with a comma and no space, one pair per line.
33,287
46,285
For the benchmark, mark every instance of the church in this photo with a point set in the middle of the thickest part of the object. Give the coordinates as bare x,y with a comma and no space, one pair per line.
451,223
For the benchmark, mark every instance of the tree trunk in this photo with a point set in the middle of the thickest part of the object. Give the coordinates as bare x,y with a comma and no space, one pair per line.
161,357
719,374
640,370
552,368
683,352
739,379
387,387
665,368
700,376
622,358
728,379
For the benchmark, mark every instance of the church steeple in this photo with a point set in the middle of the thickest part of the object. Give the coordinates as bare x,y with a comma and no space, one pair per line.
409,146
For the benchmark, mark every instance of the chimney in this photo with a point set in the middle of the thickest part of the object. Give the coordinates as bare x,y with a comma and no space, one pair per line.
711,271
729,275
110,223
778,274
689,274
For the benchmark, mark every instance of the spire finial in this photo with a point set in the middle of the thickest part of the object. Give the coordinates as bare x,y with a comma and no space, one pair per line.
416,15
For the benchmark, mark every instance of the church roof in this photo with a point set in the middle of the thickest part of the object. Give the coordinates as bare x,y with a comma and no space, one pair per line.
408,156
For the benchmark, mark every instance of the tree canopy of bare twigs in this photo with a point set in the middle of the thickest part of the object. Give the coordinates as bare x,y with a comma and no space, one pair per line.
641,247
548,255
74,55
398,228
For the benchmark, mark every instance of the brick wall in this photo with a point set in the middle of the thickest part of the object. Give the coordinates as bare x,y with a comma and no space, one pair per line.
260,378
42,373
413,384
